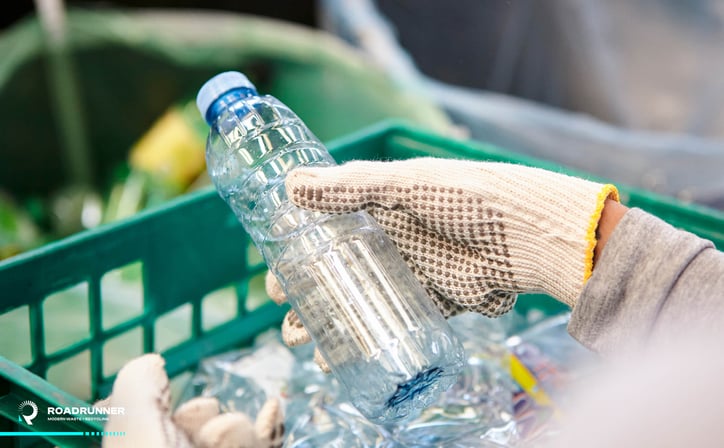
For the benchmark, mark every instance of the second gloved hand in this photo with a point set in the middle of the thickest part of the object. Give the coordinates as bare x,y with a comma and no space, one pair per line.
142,391
475,234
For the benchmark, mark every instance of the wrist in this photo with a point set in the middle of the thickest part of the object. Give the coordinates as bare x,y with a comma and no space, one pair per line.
556,247
612,213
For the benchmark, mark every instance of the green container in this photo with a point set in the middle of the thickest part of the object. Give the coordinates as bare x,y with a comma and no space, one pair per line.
188,260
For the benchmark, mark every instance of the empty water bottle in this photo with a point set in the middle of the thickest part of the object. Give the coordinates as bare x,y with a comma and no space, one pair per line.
377,329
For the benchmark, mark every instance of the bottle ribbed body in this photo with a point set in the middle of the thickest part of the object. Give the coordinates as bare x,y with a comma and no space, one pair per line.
375,326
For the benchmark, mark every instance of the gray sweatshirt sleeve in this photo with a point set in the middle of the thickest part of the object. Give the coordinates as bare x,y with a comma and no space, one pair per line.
651,280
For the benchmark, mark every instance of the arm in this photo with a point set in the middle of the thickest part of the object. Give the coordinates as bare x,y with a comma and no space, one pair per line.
477,233
650,280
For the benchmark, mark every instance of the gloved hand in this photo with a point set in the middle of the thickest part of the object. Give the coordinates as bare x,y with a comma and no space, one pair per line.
474,233
142,390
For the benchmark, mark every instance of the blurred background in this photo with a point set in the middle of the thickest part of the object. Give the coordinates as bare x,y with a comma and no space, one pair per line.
97,120
98,124
297,11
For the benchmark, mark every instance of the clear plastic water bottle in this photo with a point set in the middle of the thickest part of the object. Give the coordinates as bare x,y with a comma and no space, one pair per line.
381,335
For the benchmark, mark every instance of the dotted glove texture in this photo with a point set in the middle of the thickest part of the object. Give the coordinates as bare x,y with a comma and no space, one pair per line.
475,234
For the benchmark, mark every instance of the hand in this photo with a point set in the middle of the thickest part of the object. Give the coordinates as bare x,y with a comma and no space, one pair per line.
474,233
142,390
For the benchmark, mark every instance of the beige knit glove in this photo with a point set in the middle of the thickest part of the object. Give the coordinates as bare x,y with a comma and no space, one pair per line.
141,390
474,233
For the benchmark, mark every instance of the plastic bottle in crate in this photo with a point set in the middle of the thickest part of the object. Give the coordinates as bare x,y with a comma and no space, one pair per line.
374,324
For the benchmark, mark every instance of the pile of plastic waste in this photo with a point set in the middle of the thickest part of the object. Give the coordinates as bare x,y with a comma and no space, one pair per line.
510,393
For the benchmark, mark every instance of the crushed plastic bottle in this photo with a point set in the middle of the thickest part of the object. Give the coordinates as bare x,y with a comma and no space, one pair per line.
485,408
381,335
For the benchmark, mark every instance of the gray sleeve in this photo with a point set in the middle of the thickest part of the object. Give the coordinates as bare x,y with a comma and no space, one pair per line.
651,279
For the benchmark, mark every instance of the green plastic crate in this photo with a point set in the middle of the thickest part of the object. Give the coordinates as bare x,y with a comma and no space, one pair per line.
185,251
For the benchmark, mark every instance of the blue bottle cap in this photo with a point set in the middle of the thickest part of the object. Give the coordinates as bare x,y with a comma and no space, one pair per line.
219,85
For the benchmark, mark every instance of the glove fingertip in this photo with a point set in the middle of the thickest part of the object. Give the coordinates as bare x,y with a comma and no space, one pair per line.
143,377
325,189
232,429
270,424
319,360
301,184
447,307
274,288
496,303
293,332
142,390
193,414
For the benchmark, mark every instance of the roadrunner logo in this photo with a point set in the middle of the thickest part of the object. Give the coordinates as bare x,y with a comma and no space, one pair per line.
23,412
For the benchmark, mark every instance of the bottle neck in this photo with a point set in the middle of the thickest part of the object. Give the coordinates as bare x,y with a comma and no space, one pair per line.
226,100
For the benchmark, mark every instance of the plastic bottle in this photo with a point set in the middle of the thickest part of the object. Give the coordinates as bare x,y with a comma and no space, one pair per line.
380,333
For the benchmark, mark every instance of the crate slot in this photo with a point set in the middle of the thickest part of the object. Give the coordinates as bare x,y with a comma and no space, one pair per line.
219,307
66,318
120,349
253,256
73,375
15,334
172,328
122,294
